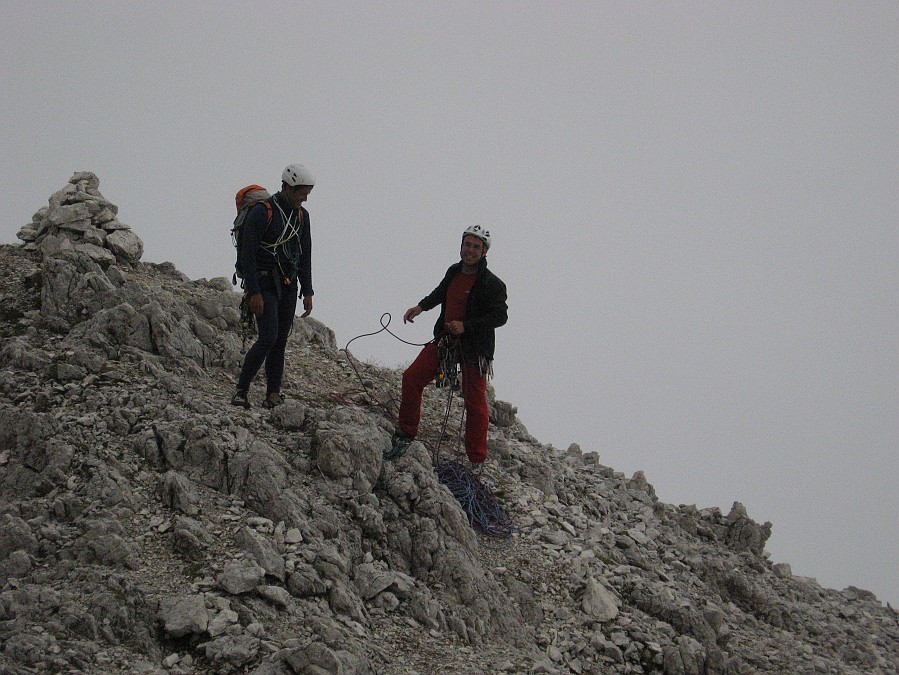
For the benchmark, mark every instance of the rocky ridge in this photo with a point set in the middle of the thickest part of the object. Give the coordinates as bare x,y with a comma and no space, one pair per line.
148,526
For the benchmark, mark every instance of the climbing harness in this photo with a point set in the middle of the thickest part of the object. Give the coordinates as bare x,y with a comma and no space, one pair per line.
481,507
449,354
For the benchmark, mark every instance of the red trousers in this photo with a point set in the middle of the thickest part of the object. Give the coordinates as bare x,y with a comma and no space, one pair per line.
474,390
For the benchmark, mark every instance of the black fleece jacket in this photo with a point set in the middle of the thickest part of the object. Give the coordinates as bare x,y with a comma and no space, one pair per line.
292,259
486,310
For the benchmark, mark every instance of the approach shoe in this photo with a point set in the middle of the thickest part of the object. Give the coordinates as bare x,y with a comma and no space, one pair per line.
240,398
398,446
272,401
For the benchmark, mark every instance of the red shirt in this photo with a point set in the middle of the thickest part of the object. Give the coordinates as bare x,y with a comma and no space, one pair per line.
457,297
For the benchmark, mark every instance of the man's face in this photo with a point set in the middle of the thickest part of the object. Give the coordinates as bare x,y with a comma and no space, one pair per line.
297,194
473,250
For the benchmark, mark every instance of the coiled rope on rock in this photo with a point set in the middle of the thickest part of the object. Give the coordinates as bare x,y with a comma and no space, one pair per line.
483,510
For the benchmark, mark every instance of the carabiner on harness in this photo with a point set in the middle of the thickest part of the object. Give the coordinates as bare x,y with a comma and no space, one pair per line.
449,355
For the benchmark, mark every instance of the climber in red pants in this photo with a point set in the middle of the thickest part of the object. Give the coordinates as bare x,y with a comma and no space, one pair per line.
472,305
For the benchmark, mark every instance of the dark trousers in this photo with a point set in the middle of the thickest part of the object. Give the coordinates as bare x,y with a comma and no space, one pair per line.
474,390
274,327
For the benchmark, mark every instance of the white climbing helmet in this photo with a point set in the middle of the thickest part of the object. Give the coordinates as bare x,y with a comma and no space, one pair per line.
479,232
297,174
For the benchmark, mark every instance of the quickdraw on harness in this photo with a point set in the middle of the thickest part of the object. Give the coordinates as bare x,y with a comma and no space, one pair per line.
247,321
449,355
449,358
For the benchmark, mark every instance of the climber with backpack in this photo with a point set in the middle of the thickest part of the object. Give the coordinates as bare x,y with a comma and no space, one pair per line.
274,263
472,304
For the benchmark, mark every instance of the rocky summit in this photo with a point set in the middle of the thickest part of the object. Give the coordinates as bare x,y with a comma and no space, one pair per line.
147,526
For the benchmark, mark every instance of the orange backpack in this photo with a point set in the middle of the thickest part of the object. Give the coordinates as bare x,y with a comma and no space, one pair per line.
245,199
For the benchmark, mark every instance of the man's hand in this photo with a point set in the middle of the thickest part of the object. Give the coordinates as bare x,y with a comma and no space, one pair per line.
411,313
455,327
307,305
257,306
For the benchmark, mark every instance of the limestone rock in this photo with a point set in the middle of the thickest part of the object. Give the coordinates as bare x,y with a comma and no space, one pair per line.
125,245
290,416
240,577
178,492
263,552
15,535
146,524
185,616
599,603
744,533
350,447
230,653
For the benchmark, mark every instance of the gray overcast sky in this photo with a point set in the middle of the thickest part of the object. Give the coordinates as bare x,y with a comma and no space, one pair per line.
694,206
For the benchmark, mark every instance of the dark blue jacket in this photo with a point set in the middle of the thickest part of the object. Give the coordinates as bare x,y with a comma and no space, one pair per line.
485,311
291,259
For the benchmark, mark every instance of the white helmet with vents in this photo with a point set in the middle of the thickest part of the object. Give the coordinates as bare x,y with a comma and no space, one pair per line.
479,232
297,174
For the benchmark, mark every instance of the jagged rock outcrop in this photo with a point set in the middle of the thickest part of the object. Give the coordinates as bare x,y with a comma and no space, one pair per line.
148,526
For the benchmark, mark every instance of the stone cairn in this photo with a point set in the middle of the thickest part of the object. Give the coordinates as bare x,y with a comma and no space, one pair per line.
79,218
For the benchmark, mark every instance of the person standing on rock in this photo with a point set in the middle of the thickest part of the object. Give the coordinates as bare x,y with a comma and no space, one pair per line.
277,257
472,306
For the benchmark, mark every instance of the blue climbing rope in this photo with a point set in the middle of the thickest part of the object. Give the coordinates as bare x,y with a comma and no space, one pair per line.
484,512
